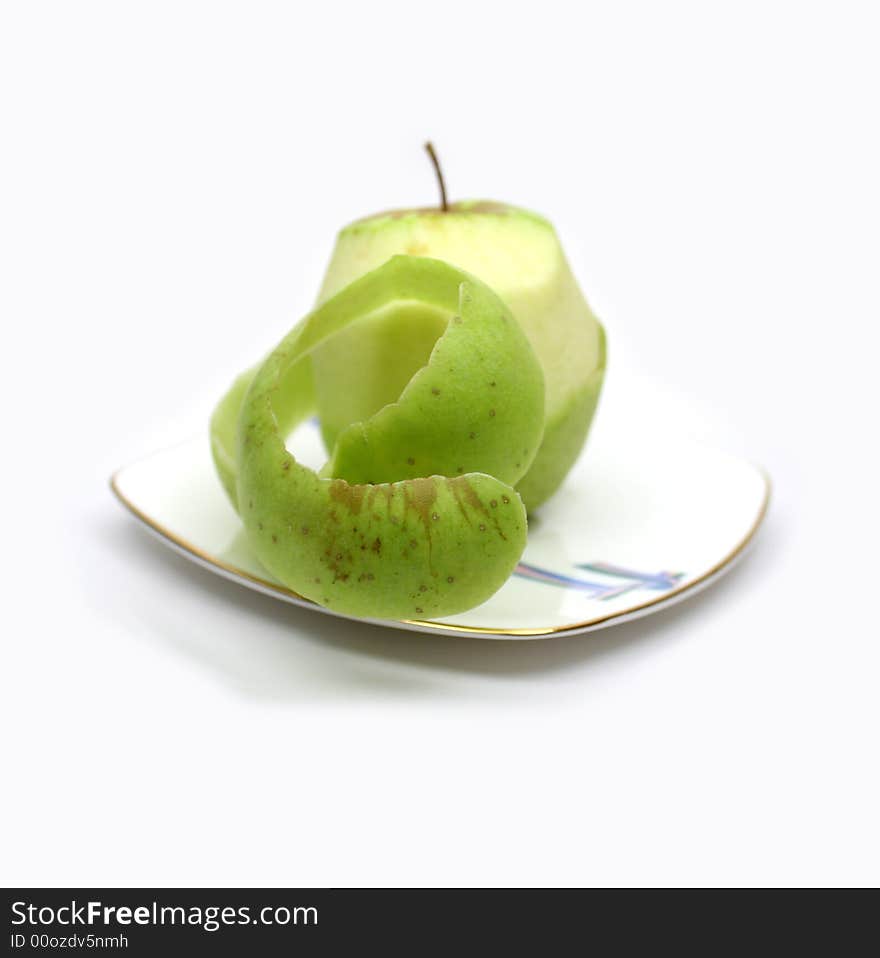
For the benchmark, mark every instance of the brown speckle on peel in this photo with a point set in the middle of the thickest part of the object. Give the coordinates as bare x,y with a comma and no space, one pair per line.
352,497
305,530
410,461
491,413
317,581
464,493
450,578
473,435
377,546
460,469
492,384
423,588
482,527
274,538
435,391
494,503
434,516
505,500
370,576
338,556
419,610
285,465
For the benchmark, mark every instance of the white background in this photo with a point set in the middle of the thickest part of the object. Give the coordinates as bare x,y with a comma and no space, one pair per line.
171,179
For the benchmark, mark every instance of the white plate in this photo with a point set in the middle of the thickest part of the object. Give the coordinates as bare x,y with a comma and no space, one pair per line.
637,525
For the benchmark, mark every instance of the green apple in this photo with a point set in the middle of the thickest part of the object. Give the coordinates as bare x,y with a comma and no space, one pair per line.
518,255
426,520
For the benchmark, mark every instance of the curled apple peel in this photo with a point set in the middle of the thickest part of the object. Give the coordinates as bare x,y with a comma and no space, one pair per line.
415,513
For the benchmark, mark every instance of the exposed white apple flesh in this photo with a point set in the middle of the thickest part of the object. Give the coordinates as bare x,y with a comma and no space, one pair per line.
517,254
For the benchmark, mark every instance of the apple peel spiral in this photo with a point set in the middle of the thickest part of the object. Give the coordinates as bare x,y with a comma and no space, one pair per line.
415,513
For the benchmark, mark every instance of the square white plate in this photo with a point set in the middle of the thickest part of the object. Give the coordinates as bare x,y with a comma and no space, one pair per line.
637,525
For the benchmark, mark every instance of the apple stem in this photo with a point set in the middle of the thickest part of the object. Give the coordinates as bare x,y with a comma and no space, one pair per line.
429,146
